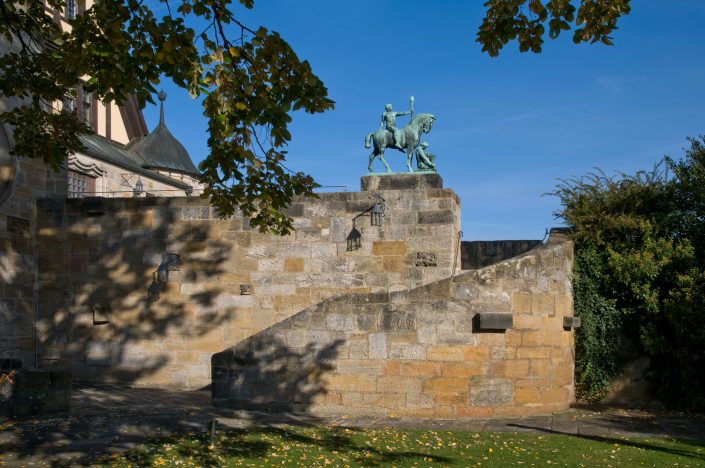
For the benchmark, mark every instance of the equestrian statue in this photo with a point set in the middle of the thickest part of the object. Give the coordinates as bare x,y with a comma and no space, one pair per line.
405,139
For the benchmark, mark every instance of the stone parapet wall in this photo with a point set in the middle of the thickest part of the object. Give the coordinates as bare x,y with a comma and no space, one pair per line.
98,260
420,352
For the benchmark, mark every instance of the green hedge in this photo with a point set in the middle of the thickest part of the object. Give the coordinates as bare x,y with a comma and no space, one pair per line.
640,275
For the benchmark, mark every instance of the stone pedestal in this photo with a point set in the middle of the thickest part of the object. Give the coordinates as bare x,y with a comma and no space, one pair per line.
402,181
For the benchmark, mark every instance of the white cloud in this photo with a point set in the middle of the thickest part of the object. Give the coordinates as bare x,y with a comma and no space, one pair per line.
615,84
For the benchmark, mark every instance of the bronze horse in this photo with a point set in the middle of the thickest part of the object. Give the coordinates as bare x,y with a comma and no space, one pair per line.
408,140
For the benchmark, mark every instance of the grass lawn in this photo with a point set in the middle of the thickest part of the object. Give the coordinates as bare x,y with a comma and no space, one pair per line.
320,446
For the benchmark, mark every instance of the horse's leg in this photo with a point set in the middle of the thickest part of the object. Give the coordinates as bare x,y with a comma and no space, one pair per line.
372,158
384,161
409,155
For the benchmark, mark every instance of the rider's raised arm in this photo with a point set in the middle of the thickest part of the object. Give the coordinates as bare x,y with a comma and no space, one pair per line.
404,113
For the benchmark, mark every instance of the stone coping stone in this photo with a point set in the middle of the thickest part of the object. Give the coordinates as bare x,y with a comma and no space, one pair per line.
401,181
571,322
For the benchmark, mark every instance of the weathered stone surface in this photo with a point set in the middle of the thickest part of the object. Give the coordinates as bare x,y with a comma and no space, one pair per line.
339,322
426,259
490,392
399,385
389,248
446,353
102,353
377,345
371,183
231,300
436,217
397,321
407,351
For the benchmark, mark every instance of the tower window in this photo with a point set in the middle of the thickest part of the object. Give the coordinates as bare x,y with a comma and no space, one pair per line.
80,185
69,104
70,9
86,109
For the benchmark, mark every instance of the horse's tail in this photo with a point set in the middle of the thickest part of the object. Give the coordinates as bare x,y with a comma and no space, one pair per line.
368,140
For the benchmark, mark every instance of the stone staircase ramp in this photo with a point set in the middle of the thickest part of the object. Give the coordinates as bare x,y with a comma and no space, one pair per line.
422,352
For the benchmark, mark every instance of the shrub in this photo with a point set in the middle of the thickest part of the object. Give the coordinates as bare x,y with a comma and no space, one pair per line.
640,274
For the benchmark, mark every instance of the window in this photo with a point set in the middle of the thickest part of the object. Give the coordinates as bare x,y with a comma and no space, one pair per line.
70,9
69,104
86,110
80,185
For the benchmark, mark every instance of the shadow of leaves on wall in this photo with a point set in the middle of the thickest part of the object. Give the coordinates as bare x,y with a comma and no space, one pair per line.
95,269
263,373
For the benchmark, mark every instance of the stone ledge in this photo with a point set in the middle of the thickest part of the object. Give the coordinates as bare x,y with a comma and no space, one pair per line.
408,181
571,322
495,321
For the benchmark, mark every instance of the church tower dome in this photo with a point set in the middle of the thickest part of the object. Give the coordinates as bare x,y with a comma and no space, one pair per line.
161,151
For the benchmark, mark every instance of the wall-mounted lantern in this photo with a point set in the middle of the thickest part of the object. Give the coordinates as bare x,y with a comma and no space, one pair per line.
354,239
154,290
160,277
162,273
139,187
169,262
376,213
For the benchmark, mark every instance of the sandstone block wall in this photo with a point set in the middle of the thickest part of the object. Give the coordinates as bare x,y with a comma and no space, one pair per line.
17,256
97,271
418,352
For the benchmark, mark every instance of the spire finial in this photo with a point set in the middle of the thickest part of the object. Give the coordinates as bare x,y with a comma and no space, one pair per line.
162,98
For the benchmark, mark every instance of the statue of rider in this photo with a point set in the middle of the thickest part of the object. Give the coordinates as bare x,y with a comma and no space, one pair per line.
389,120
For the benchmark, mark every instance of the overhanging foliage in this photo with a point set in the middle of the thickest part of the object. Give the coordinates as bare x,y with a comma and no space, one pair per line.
526,22
250,80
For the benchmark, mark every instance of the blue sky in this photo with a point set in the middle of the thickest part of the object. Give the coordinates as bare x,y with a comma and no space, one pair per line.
508,128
